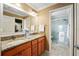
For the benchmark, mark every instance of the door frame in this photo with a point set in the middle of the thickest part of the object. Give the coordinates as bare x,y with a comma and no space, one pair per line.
76,29
71,27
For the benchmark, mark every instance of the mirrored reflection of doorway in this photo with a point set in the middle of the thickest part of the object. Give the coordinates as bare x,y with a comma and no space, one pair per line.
61,32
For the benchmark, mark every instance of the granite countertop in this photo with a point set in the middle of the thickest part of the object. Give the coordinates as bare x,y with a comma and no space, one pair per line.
11,34
11,43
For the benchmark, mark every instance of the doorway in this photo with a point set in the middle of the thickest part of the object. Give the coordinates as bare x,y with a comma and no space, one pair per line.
61,31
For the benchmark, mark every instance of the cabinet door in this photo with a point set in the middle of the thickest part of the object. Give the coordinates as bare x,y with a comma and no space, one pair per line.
19,50
23,46
24,49
26,52
42,46
39,48
34,51
10,52
34,48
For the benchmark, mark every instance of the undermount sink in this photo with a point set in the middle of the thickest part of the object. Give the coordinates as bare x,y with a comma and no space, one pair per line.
15,41
6,41
11,41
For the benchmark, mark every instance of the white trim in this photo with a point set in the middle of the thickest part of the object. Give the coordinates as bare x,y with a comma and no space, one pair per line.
76,18
71,26
71,29
50,33
75,30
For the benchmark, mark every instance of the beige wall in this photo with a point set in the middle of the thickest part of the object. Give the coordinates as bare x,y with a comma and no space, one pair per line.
43,17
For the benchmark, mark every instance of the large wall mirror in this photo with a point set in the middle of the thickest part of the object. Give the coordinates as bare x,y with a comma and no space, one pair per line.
16,20
13,20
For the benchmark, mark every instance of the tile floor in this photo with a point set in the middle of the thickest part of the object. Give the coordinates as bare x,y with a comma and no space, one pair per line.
58,50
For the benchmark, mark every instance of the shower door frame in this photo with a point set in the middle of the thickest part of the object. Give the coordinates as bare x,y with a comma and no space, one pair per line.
71,38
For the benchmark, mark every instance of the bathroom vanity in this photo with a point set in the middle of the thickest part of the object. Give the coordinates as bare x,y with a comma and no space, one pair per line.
33,46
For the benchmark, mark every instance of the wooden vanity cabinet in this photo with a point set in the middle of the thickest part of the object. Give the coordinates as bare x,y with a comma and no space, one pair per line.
31,48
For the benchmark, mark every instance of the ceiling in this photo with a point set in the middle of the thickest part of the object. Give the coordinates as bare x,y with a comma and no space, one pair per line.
13,10
39,6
